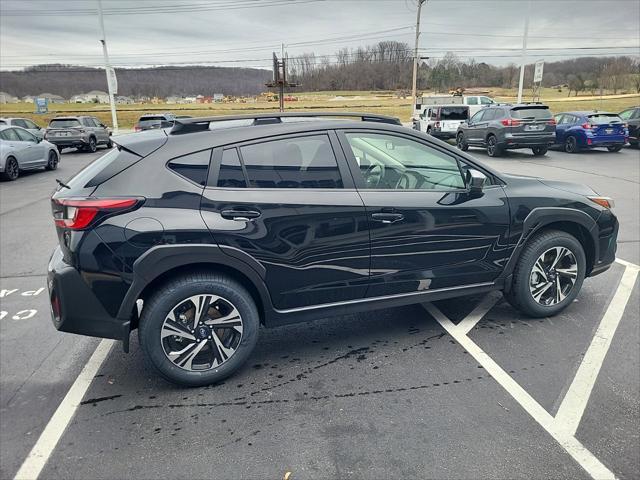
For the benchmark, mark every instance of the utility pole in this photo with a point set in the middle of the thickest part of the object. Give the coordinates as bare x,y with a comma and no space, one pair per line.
416,58
524,51
111,76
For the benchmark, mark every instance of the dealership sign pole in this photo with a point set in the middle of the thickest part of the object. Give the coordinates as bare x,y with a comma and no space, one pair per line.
524,51
112,82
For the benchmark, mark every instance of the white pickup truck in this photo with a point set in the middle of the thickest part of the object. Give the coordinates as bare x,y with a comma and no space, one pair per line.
475,103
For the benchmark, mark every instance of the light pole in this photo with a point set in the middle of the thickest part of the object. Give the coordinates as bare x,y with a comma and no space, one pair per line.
108,70
524,51
416,59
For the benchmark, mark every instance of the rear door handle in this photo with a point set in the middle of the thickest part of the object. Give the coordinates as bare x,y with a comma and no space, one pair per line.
240,215
387,217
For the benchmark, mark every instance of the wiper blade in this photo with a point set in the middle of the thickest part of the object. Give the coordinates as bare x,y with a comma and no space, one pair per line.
62,184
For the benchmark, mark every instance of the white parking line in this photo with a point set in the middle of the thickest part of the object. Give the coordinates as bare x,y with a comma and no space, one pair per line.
42,450
575,401
572,446
478,313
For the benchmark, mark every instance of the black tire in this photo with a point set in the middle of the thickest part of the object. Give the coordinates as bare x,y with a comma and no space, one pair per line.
461,143
428,130
615,148
92,146
52,160
109,144
60,148
571,144
520,295
493,148
168,297
11,169
539,151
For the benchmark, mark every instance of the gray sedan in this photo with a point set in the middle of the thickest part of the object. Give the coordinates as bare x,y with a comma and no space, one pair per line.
21,150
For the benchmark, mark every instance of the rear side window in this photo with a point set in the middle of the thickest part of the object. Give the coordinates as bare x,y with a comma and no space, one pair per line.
194,166
301,162
64,123
531,113
454,113
231,174
472,101
9,134
103,169
489,115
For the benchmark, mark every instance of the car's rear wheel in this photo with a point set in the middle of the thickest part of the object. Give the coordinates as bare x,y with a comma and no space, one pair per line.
461,142
539,151
548,275
615,148
52,160
493,149
571,144
93,146
11,169
198,329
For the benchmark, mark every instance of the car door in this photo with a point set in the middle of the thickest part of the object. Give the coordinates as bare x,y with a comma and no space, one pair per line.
560,128
102,134
427,231
288,207
33,152
14,145
473,132
33,128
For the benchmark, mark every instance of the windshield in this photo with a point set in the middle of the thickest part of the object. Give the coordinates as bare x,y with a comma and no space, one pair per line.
454,113
537,113
604,118
64,123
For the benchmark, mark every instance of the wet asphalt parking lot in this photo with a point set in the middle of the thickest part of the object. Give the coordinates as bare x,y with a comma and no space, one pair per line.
465,388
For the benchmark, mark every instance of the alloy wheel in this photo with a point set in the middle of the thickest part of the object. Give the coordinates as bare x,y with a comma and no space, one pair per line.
201,332
553,276
52,164
92,145
12,169
570,145
491,146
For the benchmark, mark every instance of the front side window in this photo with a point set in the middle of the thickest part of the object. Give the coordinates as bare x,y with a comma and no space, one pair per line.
87,122
194,166
477,117
300,162
20,123
31,125
24,135
485,101
489,115
398,163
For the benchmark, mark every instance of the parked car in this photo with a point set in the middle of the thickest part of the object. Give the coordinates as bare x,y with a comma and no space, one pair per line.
477,102
154,121
632,117
585,130
442,121
24,123
84,133
22,150
279,222
502,126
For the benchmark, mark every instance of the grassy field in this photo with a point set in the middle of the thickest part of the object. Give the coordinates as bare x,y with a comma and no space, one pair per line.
382,102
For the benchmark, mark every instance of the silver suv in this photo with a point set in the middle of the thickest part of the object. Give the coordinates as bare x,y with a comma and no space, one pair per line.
503,126
25,123
84,133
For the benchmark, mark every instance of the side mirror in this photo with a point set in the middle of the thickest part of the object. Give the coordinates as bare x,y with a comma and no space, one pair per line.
38,139
475,180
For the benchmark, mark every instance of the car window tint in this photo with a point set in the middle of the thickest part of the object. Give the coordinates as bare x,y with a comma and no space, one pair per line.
194,166
9,134
87,122
20,123
24,135
64,123
300,162
489,115
536,113
399,163
603,119
231,174
478,116
472,101
626,115
485,101
636,114
31,125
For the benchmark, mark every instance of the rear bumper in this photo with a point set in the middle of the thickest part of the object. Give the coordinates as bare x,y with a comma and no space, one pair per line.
604,142
511,141
444,135
74,307
68,141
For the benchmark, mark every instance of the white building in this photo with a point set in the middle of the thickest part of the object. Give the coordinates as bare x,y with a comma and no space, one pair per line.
51,98
8,98
124,100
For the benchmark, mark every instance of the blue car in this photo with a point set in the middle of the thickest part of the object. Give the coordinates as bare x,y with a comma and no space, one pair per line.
582,130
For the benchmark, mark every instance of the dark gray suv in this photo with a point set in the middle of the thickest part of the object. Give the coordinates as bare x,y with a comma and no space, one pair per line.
505,126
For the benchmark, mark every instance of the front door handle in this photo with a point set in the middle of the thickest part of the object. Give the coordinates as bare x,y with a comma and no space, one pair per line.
240,215
387,217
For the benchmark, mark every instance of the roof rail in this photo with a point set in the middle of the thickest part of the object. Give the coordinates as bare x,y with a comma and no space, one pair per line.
189,125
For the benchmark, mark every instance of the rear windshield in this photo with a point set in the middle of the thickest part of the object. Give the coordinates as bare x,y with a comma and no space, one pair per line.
537,113
155,121
64,123
604,118
454,113
103,169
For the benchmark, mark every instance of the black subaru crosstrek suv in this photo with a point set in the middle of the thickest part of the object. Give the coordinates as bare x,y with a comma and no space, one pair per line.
197,235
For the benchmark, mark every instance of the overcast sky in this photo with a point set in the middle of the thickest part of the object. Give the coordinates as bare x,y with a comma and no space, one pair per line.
245,32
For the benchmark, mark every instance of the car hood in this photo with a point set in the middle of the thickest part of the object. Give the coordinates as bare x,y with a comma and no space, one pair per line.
576,188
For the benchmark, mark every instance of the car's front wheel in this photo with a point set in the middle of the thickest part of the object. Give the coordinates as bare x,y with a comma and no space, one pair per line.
198,329
52,160
539,151
461,142
548,275
493,149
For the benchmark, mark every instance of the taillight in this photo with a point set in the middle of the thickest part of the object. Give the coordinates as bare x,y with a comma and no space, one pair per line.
137,128
588,126
552,122
78,213
510,122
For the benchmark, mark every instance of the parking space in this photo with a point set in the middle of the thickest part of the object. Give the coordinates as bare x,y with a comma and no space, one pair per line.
386,394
